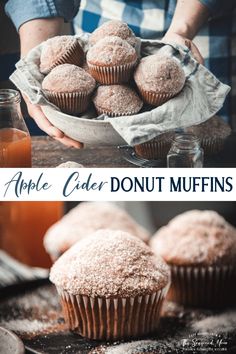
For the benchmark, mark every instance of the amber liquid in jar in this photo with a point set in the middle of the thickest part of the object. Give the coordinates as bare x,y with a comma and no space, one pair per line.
15,141
15,148
23,227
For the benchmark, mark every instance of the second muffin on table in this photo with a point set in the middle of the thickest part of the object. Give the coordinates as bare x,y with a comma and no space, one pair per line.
85,218
212,134
200,248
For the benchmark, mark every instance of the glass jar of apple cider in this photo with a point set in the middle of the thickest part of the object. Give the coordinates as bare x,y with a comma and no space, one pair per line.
23,227
22,224
15,142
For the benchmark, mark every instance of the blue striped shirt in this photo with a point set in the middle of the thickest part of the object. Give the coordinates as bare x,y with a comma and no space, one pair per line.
151,19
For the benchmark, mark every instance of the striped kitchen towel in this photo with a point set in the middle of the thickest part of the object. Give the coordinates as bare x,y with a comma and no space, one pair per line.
12,272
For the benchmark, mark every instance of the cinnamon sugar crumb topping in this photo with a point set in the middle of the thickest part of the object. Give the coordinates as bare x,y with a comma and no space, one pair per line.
157,73
68,78
86,218
111,51
113,28
118,99
196,238
110,263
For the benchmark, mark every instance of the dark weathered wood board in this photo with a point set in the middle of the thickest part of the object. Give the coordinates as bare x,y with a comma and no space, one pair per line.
46,152
50,153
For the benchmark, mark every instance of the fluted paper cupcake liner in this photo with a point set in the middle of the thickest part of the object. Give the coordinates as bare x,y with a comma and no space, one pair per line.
111,74
212,146
113,318
114,114
74,55
153,150
153,98
69,102
210,287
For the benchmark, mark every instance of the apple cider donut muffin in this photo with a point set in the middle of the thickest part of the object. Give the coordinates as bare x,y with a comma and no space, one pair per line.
200,248
111,60
212,134
111,286
113,28
60,50
159,78
86,218
117,100
156,148
69,87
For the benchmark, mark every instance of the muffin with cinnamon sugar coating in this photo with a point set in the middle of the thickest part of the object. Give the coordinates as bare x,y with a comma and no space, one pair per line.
111,286
113,28
200,248
156,148
69,87
60,50
212,134
86,218
111,60
159,78
117,100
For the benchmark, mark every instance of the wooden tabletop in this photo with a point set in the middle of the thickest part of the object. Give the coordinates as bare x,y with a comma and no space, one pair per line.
47,152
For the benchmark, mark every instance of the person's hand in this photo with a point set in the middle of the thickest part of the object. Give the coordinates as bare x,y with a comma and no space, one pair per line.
43,123
172,37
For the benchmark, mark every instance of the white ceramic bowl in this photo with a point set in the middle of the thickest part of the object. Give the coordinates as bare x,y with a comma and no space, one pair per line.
87,131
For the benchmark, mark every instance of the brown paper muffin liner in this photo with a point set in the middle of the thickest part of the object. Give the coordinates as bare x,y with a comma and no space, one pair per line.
74,55
113,318
212,146
153,149
114,114
69,102
111,74
211,287
155,99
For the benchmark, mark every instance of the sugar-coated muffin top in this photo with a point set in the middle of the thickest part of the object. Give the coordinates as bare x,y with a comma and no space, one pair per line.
117,99
113,28
86,218
68,78
214,127
53,49
196,238
110,263
111,51
70,164
159,74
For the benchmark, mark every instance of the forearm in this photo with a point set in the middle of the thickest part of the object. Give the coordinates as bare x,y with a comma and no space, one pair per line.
37,20
36,31
189,17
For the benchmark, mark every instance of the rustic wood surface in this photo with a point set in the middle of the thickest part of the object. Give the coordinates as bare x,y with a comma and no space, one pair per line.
47,152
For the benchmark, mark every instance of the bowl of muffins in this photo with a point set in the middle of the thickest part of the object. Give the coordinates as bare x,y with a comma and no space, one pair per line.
105,74
112,278
89,84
